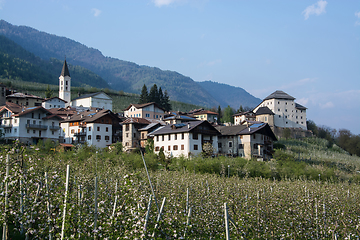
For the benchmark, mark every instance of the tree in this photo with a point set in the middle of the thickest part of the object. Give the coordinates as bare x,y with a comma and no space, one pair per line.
144,97
228,115
219,115
241,109
166,102
160,97
48,92
153,94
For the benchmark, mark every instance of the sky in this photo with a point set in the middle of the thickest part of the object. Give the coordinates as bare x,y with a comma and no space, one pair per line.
309,49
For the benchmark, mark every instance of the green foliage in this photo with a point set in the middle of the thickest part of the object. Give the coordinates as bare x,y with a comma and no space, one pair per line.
144,96
228,115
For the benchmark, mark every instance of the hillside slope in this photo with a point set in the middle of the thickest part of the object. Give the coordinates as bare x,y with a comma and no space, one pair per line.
235,96
18,63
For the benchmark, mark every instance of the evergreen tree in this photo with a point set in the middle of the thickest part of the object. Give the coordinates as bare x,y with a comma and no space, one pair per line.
48,92
153,94
144,97
219,115
160,99
166,102
228,115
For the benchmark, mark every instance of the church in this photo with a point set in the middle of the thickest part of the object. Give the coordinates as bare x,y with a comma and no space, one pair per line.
86,101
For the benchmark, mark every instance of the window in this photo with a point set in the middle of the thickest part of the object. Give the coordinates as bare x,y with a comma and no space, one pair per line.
32,115
72,131
254,136
169,148
34,131
89,129
127,127
142,135
28,131
182,147
175,137
127,135
98,129
98,137
169,137
278,109
162,138
195,136
195,147
175,147
15,120
134,135
182,135
157,149
107,138
230,144
157,138
89,137
241,146
15,130
107,129
219,144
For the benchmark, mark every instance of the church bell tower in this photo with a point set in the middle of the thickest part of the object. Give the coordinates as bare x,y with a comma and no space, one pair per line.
65,84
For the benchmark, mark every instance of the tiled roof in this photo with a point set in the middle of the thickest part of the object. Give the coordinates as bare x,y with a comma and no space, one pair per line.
12,107
136,120
88,95
182,127
205,112
300,107
90,116
22,95
244,113
279,95
230,130
47,99
264,110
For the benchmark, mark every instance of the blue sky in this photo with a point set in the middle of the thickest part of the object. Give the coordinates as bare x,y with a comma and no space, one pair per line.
309,49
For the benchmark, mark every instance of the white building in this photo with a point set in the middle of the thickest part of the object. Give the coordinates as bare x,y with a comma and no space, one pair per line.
93,127
287,113
146,110
29,125
54,102
185,139
93,100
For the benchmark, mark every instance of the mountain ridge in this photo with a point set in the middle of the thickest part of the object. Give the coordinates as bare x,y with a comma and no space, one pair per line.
119,74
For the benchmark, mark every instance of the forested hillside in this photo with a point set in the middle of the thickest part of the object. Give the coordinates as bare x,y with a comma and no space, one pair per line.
18,63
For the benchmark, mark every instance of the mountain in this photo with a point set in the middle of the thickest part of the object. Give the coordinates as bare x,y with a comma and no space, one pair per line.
235,96
18,63
119,74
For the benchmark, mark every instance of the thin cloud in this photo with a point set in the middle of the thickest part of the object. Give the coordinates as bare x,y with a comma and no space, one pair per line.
317,9
357,14
160,3
96,12
2,3
298,83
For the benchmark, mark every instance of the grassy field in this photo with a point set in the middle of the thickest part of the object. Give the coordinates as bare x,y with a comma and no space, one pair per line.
282,199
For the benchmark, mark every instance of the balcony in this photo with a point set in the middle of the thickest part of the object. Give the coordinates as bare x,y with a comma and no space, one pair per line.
36,126
6,125
79,134
54,127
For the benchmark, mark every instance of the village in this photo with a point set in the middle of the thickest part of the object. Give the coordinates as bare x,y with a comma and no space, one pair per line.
88,119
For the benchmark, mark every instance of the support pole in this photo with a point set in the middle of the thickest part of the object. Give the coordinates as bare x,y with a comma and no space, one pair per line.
65,200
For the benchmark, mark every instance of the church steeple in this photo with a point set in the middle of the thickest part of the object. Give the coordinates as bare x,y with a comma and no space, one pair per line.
65,84
65,70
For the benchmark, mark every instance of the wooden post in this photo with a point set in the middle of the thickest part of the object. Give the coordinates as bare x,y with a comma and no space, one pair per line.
151,186
5,227
227,233
96,207
65,200
147,213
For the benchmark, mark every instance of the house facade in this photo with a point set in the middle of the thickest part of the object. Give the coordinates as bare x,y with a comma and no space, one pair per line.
206,115
185,139
24,99
254,141
130,132
29,125
287,113
240,118
147,110
93,100
54,102
95,128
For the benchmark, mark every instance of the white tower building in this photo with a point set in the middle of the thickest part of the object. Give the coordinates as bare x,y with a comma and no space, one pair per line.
65,84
